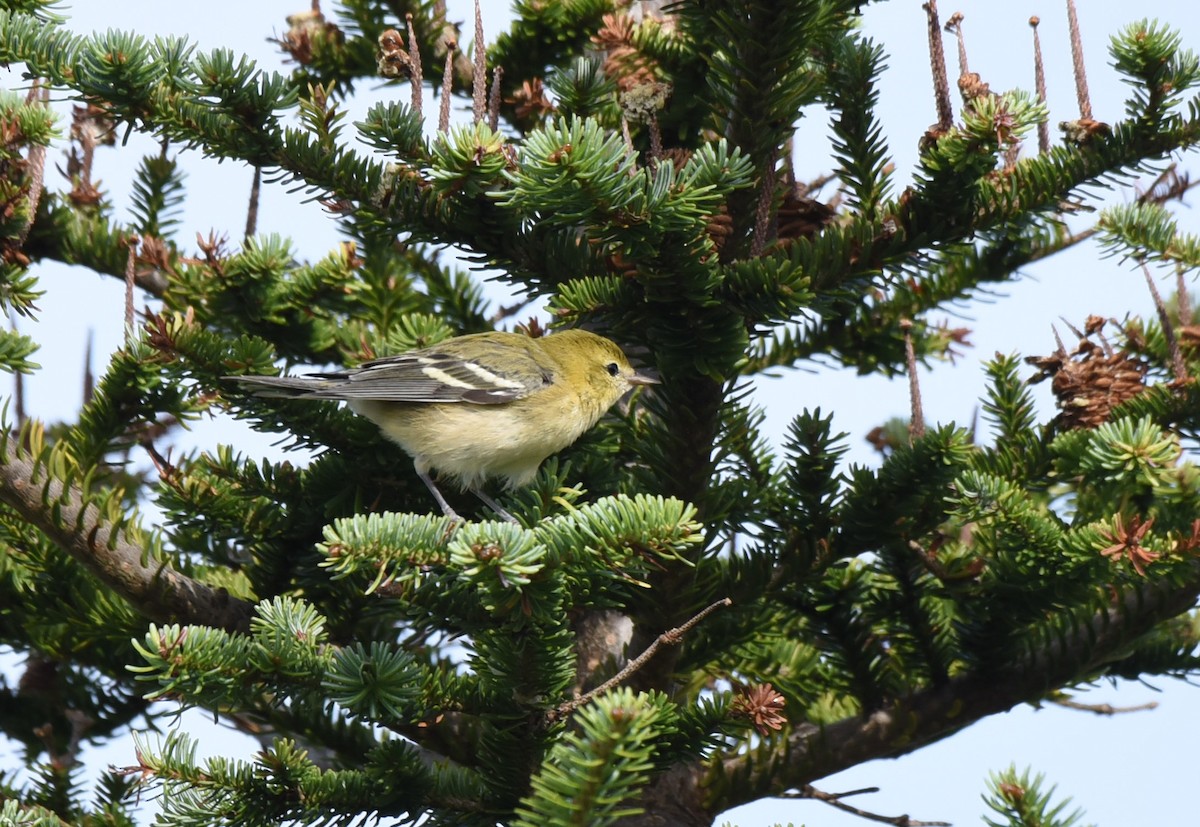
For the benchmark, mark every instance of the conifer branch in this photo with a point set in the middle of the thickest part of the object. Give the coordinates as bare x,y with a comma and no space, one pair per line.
159,592
928,715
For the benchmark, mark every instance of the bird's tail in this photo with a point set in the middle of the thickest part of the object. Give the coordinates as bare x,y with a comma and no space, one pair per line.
287,387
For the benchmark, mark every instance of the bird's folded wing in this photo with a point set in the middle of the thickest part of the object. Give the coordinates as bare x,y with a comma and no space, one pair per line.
422,376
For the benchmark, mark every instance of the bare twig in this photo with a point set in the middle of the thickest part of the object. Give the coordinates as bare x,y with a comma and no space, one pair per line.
1156,194
35,164
479,76
1081,86
1105,709
1039,79
937,62
671,637
414,64
835,800
447,85
507,311
494,100
130,282
1183,300
656,144
80,722
916,425
762,213
89,378
252,209
1178,366
954,24
1168,185
19,385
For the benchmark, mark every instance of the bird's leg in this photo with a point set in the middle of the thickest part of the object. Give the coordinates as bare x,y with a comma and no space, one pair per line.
437,495
492,504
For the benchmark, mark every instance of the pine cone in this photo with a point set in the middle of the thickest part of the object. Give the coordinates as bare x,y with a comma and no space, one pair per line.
1091,380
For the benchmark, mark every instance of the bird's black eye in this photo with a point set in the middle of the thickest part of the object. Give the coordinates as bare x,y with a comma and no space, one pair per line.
613,368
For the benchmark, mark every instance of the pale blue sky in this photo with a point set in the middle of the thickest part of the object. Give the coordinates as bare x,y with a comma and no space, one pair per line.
1132,769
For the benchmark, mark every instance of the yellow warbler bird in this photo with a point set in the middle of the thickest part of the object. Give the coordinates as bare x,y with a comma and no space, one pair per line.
479,406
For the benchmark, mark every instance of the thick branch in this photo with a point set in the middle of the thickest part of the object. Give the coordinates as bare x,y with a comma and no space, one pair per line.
937,712
158,592
813,752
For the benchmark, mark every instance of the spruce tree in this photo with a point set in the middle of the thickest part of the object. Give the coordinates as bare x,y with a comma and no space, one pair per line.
685,618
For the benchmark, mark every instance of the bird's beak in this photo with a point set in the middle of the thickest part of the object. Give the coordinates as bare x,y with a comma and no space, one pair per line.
641,379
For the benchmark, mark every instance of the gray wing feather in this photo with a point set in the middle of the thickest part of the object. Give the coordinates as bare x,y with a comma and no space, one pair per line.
422,376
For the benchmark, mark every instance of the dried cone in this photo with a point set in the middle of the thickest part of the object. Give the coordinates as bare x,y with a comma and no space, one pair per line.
801,217
1082,131
393,60
719,227
530,100
621,266
1091,380
1189,336
306,31
622,60
762,705
972,87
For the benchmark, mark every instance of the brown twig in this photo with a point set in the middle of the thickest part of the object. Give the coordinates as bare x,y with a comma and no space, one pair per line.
414,65
35,164
447,85
916,425
835,800
954,24
507,311
1178,366
80,722
1081,86
1183,299
762,213
671,637
494,100
1039,80
479,76
19,386
130,282
1156,194
252,208
1105,709
168,472
937,62
656,144
89,378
